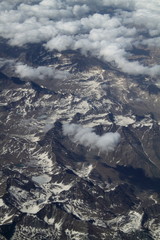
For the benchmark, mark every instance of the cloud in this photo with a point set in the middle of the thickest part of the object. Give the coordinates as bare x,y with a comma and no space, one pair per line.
87,137
89,26
42,72
60,43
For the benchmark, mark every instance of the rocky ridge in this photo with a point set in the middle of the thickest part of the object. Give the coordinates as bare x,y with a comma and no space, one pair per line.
55,188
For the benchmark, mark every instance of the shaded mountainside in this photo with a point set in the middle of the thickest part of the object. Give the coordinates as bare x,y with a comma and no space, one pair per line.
53,187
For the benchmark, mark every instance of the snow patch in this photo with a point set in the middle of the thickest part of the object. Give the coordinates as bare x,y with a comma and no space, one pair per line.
72,234
49,221
60,187
1,202
42,179
58,228
44,161
8,218
127,224
153,198
28,202
154,229
32,137
84,171
124,121
146,122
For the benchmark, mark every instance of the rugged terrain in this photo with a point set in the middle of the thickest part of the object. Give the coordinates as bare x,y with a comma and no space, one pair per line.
53,187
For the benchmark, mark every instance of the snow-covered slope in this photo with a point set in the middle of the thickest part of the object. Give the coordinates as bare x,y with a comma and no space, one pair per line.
79,140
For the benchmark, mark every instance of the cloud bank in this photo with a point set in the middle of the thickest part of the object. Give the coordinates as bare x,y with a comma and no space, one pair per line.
87,137
42,72
107,29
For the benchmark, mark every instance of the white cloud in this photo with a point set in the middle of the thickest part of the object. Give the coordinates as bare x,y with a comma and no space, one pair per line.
87,137
60,42
85,25
42,72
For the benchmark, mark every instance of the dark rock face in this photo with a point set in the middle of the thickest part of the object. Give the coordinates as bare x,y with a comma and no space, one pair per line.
54,187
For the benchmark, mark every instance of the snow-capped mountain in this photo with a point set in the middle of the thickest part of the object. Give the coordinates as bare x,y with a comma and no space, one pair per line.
80,122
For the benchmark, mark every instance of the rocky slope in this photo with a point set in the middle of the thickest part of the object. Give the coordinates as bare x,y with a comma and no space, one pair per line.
54,185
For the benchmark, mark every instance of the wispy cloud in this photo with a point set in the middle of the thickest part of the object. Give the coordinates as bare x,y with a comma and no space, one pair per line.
87,137
42,72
